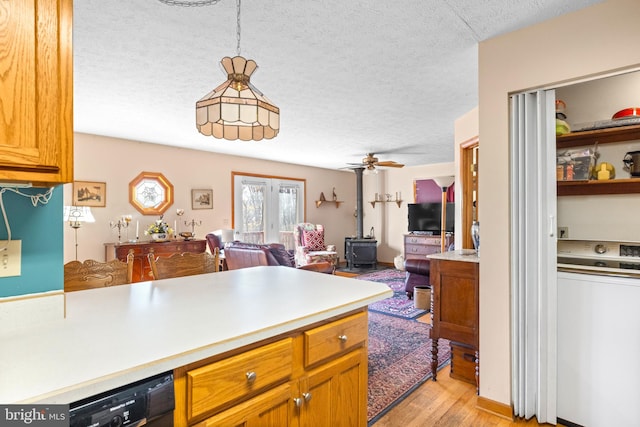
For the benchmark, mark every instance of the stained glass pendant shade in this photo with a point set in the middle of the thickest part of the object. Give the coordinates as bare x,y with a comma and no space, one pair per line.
236,109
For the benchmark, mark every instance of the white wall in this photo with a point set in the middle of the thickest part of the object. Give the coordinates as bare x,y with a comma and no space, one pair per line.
582,44
390,221
118,161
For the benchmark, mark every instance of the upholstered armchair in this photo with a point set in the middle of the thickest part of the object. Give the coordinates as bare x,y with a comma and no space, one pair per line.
310,246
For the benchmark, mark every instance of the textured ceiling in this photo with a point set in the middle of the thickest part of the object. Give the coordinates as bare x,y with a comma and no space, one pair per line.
349,77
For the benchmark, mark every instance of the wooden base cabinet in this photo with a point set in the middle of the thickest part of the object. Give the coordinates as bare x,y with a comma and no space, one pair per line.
455,311
336,393
308,378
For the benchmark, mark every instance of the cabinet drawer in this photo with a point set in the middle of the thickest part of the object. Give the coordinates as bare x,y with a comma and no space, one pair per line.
219,383
463,363
328,340
422,240
421,249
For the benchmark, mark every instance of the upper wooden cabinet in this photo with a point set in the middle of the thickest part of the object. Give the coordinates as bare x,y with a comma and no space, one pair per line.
36,92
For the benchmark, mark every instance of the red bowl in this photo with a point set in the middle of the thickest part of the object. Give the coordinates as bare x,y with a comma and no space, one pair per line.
627,113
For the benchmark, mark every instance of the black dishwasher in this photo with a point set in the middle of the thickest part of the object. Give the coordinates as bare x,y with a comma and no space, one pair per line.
146,402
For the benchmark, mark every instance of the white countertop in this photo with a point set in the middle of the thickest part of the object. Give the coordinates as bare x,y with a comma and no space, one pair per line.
467,255
113,336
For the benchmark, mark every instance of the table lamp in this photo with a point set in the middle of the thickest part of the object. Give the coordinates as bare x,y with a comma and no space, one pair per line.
226,235
76,215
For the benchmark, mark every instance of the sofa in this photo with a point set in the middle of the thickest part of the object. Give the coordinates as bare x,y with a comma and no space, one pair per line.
242,255
417,274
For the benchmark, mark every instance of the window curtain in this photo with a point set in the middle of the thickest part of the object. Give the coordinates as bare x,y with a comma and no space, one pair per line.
533,262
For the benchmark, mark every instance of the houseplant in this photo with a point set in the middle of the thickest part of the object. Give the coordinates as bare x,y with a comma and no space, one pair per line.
159,230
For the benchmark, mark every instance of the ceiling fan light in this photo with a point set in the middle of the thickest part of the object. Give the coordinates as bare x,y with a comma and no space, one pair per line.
228,107
370,171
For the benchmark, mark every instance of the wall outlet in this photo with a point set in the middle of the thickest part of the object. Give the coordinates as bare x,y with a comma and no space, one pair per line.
563,232
10,258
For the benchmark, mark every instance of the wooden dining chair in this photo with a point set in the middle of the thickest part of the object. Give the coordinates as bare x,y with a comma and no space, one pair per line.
184,264
91,274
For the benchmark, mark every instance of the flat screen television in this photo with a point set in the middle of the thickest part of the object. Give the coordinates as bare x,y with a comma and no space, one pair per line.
426,217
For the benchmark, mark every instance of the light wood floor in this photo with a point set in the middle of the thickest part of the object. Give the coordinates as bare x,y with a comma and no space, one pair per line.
445,402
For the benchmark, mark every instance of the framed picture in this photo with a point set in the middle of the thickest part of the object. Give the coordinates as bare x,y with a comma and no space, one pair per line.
201,199
87,193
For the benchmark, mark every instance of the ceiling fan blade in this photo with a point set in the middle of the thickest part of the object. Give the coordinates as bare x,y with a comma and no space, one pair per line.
390,164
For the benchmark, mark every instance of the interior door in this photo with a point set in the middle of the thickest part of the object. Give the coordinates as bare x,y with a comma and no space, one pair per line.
533,263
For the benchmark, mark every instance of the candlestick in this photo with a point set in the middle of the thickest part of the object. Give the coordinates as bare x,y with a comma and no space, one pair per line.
193,223
137,230
121,224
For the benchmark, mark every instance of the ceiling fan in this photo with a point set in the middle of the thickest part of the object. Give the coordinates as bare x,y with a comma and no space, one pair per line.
371,161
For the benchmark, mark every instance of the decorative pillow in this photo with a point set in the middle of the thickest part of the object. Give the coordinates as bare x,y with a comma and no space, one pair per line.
281,255
314,240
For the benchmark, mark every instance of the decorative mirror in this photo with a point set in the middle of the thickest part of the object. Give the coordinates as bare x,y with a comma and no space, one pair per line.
151,193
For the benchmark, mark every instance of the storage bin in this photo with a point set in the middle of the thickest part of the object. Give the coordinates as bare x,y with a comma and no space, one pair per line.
422,297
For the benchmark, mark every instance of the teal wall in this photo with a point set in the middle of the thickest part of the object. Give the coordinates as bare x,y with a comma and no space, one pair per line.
40,229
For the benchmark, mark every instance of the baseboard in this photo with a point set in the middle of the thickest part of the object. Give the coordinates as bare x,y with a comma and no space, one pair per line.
496,408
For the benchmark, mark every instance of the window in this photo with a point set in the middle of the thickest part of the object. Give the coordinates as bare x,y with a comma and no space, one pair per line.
151,193
267,208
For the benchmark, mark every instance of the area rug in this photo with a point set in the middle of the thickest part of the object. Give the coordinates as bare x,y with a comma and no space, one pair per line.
399,360
399,304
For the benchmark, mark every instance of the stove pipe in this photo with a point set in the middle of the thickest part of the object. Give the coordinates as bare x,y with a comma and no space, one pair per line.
359,207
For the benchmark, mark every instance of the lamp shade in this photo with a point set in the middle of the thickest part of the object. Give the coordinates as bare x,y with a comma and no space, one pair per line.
444,181
226,235
78,214
236,109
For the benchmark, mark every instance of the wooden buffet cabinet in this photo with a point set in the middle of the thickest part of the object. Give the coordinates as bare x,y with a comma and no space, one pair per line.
418,246
36,126
312,377
455,310
141,268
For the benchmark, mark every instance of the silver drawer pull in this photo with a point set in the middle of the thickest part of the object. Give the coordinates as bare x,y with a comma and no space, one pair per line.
251,376
342,338
307,396
297,401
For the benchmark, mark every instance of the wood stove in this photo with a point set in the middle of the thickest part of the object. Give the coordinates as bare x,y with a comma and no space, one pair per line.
360,252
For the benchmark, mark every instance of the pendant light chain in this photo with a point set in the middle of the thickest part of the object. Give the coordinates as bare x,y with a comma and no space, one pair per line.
183,3
238,27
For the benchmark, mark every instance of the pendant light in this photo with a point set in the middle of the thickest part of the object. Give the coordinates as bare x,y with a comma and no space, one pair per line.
236,109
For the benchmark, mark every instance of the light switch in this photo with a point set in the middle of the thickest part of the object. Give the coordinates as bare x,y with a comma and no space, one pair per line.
10,258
